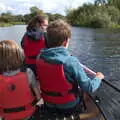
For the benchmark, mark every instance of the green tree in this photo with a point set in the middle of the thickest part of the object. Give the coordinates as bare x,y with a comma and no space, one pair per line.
8,13
90,15
114,13
116,3
6,17
27,17
53,17
19,18
35,11
100,20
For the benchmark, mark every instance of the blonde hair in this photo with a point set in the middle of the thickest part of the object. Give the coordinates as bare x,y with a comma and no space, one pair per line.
11,56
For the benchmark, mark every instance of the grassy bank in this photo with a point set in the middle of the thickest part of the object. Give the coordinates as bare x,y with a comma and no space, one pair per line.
115,26
3,24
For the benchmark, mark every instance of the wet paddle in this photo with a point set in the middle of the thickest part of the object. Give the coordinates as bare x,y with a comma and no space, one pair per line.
88,70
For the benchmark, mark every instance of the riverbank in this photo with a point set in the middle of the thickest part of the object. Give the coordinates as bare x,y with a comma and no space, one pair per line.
3,24
115,26
22,23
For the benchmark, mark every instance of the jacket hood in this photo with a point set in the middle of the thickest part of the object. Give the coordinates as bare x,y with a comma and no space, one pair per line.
57,54
35,34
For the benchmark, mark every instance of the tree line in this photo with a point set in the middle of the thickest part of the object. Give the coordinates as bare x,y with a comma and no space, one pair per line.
101,14
8,17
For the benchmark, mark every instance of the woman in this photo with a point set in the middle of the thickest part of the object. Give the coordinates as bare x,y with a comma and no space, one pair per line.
34,40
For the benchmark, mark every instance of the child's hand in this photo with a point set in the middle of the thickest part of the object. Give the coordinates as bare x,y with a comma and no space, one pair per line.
100,75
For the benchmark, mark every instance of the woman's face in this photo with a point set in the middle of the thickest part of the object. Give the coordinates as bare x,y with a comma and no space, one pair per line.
44,25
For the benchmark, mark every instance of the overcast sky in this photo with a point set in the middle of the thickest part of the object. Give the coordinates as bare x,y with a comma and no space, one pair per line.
51,6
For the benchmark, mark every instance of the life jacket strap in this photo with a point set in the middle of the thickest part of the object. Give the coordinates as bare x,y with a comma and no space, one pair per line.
21,108
32,57
55,94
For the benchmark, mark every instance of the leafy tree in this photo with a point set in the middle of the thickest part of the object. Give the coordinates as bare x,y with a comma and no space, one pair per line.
27,17
53,17
114,13
6,17
115,3
90,15
35,11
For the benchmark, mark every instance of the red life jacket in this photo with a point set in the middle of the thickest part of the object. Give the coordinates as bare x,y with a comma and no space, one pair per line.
53,84
16,99
32,48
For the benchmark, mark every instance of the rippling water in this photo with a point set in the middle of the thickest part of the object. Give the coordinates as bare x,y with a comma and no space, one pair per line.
99,49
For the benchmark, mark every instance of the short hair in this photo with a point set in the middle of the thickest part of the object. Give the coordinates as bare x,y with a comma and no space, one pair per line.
11,56
36,19
57,32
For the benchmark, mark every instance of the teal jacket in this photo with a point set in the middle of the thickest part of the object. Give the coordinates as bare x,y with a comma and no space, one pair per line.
72,69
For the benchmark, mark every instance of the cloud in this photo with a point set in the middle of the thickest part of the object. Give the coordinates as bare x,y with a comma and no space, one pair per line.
2,6
5,8
52,6
22,0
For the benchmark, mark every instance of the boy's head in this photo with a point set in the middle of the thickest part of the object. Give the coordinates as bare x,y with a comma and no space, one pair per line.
58,33
11,56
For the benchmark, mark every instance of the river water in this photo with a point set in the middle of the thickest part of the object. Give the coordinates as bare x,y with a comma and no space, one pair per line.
99,49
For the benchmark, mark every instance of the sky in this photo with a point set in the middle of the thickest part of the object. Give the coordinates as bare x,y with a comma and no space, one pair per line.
51,6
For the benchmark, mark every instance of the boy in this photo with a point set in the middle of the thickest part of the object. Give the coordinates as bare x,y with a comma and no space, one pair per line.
60,73
17,85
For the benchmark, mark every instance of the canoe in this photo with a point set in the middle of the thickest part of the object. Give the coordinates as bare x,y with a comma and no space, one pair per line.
92,111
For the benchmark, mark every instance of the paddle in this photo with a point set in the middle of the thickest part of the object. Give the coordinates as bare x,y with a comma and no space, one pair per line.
105,81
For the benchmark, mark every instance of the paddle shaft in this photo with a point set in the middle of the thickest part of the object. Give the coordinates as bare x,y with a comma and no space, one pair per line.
105,81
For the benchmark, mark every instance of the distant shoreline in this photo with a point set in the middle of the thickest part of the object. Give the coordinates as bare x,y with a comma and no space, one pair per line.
23,23
11,24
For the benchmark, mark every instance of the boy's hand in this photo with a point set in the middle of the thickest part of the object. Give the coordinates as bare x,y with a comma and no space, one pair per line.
100,75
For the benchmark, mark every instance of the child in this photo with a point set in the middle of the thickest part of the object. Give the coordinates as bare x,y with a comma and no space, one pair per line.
17,101
34,40
59,71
